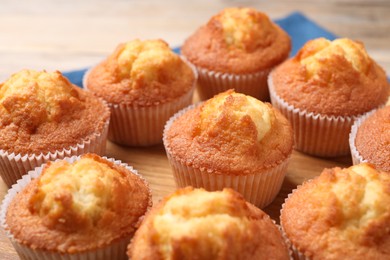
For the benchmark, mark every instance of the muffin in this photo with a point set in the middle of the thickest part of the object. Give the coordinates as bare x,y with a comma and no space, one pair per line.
84,207
341,214
323,89
196,224
232,140
370,139
236,49
44,117
144,83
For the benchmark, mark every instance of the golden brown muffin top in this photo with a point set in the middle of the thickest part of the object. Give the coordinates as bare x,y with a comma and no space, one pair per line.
238,40
342,214
333,78
74,207
141,73
231,133
197,224
373,139
42,112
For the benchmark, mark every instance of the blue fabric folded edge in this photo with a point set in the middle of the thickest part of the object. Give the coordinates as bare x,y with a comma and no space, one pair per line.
298,26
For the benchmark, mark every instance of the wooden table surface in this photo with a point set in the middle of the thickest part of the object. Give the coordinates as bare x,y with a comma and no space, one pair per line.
65,35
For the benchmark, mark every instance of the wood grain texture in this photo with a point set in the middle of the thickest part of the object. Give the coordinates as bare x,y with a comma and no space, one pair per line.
65,35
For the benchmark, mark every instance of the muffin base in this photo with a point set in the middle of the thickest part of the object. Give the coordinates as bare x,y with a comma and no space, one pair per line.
315,134
14,166
259,189
115,250
211,83
143,126
356,156
294,252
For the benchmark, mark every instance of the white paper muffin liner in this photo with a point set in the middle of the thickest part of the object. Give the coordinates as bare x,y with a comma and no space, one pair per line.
211,83
259,188
115,250
295,253
286,240
315,134
14,166
144,126
356,156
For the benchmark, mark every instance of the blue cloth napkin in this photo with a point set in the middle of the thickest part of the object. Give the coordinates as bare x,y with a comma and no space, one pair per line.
299,27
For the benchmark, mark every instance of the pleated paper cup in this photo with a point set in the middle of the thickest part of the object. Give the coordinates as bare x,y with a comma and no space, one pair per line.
211,83
294,251
315,134
259,188
286,241
356,156
114,250
14,166
143,126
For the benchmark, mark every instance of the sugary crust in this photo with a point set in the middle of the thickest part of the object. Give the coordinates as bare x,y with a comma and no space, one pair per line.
261,238
322,226
236,151
130,198
373,139
73,126
207,48
338,89
173,80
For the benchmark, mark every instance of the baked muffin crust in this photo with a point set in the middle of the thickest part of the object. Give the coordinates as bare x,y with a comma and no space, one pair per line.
237,41
42,112
332,78
141,73
196,224
77,207
240,108
245,29
342,214
230,134
44,91
373,139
